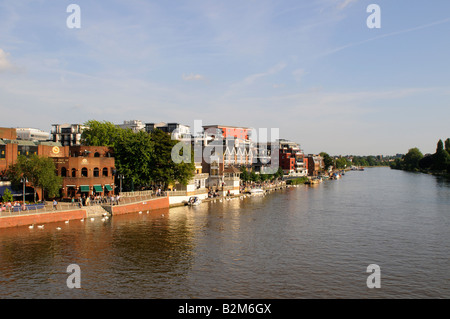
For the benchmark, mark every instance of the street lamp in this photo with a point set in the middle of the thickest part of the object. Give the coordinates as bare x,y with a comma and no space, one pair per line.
121,177
24,180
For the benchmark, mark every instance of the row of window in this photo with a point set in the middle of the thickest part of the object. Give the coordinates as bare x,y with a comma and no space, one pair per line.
85,173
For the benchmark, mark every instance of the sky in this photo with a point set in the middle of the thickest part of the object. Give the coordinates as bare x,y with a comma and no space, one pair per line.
312,69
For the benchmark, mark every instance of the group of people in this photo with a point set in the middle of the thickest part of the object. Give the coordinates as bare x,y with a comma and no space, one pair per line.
95,200
12,206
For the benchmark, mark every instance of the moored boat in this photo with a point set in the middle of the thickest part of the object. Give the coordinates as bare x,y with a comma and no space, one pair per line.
256,191
194,201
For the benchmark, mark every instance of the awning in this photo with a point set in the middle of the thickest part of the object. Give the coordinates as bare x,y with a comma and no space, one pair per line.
98,188
108,187
84,188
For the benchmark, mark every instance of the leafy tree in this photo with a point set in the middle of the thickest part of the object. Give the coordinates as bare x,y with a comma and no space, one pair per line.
101,133
342,163
327,160
7,196
245,175
447,145
411,159
441,158
254,177
279,173
133,153
39,171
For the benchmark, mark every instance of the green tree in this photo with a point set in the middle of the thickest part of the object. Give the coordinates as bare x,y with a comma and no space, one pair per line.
411,159
133,153
245,175
447,145
254,177
163,169
327,160
39,171
279,173
101,133
7,196
441,158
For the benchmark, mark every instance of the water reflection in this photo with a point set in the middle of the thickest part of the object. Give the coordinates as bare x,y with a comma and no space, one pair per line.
296,243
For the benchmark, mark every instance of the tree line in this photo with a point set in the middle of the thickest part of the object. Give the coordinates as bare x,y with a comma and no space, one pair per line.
414,160
143,159
345,162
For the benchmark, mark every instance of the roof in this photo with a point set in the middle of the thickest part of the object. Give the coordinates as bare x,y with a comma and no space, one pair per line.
230,126
232,169
50,143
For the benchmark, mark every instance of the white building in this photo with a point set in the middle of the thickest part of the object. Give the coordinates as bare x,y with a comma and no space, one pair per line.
178,131
134,125
67,134
32,134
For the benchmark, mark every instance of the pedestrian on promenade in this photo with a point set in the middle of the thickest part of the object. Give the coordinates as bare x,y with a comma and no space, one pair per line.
55,204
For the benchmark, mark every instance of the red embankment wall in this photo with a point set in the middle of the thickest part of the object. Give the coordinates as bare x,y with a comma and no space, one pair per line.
13,221
152,204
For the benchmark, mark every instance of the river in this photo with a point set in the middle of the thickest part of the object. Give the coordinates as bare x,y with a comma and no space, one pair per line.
303,242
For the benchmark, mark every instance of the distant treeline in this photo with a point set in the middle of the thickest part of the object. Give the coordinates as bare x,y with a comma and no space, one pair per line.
348,161
414,160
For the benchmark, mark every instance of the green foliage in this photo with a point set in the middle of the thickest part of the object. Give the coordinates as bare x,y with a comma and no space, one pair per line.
245,175
343,163
254,177
437,162
7,196
133,157
441,158
327,160
101,133
39,171
411,159
142,158
297,181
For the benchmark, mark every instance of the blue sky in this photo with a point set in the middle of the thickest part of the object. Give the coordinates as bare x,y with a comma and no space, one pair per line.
313,69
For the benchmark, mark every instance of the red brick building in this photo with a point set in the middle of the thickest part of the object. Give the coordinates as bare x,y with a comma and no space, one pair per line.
86,170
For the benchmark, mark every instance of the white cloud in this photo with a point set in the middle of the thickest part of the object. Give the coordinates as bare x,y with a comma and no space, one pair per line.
273,70
298,74
193,77
5,64
345,3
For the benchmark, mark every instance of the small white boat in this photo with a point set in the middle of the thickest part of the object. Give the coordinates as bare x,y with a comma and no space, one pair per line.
256,191
194,201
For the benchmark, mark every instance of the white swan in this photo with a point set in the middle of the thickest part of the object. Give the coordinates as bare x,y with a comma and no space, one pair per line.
67,221
92,219
41,226
31,226
140,212
82,220
58,228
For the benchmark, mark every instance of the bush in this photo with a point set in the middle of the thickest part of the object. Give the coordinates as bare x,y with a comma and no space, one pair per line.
297,181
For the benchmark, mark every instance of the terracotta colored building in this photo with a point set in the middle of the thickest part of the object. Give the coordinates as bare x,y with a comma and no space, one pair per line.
86,170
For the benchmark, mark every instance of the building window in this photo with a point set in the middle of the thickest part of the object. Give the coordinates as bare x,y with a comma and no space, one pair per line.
74,172
84,172
105,172
63,172
96,172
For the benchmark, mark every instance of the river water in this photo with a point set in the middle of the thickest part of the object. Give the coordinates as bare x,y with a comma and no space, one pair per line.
304,242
